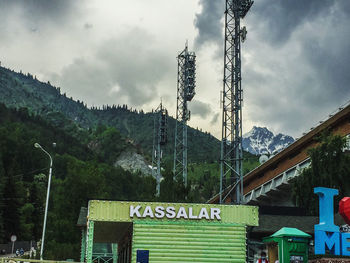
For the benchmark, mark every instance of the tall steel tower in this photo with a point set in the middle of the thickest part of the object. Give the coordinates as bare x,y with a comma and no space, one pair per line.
160,138
186,82
231,143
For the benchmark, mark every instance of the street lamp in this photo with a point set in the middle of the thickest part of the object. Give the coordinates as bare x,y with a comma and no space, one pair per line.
37,145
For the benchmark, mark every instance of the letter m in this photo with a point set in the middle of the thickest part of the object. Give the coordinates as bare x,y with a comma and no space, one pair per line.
329,239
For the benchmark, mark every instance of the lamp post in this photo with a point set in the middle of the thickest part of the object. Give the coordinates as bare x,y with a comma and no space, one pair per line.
37,145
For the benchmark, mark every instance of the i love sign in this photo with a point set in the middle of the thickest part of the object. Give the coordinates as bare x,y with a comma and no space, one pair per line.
327,234
344,209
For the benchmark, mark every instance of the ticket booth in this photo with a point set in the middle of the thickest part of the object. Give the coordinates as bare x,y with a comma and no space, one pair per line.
169,232
288,245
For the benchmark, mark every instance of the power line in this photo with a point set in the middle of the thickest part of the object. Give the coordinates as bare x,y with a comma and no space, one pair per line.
31,172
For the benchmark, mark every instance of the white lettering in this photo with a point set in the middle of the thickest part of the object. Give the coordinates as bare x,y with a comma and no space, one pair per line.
135,210
203,213
182,213
215,212
159,212
190,214
170,212
148,212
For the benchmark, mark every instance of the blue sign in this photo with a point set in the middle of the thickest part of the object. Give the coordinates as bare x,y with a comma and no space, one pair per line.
327,234
142,256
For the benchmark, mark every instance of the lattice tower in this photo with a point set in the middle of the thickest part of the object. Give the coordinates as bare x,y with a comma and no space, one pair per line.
186,82
231,176
160,138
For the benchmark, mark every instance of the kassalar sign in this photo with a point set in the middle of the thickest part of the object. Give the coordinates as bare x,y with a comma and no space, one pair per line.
171,212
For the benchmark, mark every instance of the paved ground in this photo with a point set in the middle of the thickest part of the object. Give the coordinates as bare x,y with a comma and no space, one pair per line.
13,255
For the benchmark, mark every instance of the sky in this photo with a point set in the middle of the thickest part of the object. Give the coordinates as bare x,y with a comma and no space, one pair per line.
295,61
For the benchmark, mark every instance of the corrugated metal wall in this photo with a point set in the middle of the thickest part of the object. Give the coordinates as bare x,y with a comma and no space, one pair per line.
190,242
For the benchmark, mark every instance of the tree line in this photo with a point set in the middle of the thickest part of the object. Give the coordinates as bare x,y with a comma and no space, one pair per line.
82,170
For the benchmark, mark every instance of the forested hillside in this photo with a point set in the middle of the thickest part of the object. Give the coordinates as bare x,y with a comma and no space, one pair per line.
18,90
79,174
88,142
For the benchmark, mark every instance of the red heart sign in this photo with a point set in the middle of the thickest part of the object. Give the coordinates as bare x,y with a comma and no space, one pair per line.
344,209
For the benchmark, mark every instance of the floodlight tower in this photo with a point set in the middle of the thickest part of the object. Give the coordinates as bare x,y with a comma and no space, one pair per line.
160,138
231,144
186,82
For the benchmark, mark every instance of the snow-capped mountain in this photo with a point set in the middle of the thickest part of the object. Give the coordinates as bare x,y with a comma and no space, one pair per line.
262,141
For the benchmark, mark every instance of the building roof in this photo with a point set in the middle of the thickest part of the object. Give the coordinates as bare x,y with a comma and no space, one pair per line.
272,223
82,219
269,224
290,232
343,113
300,143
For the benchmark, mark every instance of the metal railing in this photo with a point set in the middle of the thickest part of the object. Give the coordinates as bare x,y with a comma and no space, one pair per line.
102,257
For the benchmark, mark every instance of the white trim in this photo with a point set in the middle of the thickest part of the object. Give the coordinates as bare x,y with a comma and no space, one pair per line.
274,183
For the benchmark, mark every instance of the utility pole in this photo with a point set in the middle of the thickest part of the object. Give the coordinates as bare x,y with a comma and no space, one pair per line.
160,138
231,174
186,82
37,145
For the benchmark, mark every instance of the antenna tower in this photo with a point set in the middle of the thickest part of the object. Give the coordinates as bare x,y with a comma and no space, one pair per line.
186,82
231,173
160,138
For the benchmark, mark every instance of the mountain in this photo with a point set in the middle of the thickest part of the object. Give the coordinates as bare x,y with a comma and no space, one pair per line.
26,91
80,172
260,140
100,153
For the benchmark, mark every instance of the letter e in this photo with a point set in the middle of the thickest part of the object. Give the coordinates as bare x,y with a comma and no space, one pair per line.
345,241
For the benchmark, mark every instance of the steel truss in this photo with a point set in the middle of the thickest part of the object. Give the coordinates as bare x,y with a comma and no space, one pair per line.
160,138
231,174
186,82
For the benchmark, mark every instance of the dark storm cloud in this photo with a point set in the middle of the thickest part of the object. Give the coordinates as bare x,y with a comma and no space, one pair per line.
200,108
20,16
281,16
215,119
330,56
121,70
208,22
39,9
284,16
88,26
297,69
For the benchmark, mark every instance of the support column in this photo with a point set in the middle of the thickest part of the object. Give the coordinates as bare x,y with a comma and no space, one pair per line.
90,241
83,245
115,252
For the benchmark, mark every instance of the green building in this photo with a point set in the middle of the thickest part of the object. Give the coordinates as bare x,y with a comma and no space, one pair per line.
167,232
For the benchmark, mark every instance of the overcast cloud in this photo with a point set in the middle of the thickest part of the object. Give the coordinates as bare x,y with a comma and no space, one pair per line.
295,59
109,71
200,108
209,23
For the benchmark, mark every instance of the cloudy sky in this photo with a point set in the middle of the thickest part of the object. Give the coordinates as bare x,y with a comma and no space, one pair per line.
295,66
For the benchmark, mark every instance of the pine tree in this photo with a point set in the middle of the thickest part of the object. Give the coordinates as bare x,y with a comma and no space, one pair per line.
330,167
37,198
2,201
13,195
